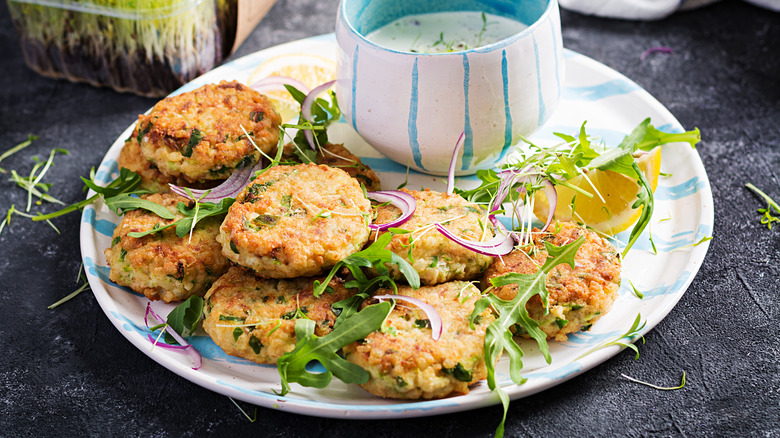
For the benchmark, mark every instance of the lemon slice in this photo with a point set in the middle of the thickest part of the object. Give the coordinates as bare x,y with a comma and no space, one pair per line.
311,70
608,211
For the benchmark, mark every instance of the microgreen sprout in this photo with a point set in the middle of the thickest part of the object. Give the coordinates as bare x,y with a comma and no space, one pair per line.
768,218
623,340
84,286
17,148
662,388
638,294
251,419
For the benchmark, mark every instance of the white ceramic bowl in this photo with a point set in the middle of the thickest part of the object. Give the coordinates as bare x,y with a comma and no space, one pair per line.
412,107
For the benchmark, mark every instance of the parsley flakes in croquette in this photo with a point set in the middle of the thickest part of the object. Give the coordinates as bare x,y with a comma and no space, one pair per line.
294,221
578,297
204,134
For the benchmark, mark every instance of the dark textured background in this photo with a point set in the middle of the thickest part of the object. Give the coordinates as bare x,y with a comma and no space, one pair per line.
68,372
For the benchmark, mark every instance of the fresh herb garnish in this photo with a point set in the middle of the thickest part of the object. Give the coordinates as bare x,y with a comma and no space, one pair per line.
84,286
323,114
768,218
192,215
184,318
632,332
499,337
309,347
375,256
17,148
662,388
251,419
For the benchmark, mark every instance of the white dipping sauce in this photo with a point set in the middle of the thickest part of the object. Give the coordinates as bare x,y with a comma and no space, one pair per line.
443,32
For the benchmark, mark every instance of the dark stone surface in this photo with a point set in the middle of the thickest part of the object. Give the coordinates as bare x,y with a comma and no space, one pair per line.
68,372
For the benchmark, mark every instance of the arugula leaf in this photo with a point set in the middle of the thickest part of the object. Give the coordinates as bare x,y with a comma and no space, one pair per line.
192,215
124,202
646,201
375,256
184,318
309,347
498,336
347,307
323,113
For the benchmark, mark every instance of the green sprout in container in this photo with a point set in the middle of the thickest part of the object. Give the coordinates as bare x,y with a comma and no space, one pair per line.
149,47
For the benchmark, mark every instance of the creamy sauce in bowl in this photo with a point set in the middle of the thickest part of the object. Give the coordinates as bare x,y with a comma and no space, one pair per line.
444,32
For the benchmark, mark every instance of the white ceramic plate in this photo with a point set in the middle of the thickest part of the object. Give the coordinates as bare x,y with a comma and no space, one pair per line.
612,105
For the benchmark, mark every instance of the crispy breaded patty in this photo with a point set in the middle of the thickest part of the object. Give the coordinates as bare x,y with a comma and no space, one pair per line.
579,296
294,221
406,363
199,135
336,155
163,266
254,318
435,257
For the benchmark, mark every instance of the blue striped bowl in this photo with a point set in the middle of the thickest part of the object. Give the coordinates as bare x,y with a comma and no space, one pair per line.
412,107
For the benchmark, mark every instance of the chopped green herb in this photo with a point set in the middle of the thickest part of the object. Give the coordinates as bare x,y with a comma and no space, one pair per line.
422,323
237,332
255,344
256,116
459,373
195,137
232,318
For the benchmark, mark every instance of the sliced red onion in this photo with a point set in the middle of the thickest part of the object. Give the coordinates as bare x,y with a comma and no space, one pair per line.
433,315
404,201
230,188
306,109
453,160
188,348
501,244
278,83
654,49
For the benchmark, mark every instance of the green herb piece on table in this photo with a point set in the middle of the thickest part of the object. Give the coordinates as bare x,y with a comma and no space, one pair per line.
662,388
17,148
768,218
309,347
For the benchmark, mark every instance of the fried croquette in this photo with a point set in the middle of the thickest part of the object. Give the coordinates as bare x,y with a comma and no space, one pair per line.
295,221
578,297
435,257
161,265
336,155
254,318
204,134
406,363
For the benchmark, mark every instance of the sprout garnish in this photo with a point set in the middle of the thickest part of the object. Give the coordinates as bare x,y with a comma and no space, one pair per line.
662,388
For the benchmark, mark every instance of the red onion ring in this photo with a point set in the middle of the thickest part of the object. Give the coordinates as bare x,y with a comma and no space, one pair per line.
404,201
188,348
654,49
230,188
497,246
433,315
306,109
453,160
278,83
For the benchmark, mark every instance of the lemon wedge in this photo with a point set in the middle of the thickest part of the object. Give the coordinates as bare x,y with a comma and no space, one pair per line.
609,210
311,70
